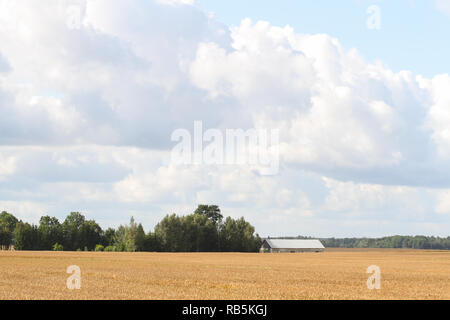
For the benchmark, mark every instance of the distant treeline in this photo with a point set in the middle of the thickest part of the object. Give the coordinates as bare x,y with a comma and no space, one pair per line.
411,242
203,231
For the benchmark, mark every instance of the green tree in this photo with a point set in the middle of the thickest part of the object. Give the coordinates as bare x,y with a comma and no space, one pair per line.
170,233
210,211
9,220
126,237
58,247
201,231
239,236
120,239
140,238
71,227
130,236
152,242
26,236
5,235
50,232
206,234
91,234
7,225
109,237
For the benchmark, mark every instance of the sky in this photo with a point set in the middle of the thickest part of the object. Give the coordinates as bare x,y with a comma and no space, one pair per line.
92,91
411,36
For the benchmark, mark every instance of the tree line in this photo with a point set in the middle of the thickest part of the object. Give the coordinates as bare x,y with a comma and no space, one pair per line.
205,230
407,242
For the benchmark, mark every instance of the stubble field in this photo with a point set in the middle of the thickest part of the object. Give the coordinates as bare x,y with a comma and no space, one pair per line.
334,274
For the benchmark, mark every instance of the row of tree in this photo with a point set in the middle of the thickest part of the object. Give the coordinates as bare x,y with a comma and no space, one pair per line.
203,231
410,242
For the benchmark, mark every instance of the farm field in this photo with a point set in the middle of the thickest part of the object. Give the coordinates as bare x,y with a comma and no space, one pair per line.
333,274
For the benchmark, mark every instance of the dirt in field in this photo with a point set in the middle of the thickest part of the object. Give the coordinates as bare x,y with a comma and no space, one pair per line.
334,274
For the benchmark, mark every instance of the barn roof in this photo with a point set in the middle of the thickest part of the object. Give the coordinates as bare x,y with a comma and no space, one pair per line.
294,244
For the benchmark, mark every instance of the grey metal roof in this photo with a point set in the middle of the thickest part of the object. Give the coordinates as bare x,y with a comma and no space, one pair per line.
294,244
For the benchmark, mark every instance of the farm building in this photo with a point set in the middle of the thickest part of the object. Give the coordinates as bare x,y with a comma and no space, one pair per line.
293,246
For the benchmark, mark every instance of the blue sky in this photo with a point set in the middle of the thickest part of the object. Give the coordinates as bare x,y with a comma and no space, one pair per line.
86,121
414,34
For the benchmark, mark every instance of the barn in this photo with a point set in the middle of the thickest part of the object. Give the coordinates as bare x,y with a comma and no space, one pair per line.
291,245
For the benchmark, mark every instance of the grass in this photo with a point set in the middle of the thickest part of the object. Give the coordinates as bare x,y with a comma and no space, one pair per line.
334,274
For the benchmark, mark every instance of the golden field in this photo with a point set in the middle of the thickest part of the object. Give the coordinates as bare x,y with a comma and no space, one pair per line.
333,274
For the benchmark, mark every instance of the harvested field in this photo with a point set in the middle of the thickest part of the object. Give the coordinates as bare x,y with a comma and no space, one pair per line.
334,274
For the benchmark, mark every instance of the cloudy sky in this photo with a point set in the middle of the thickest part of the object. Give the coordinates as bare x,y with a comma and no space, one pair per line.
91,91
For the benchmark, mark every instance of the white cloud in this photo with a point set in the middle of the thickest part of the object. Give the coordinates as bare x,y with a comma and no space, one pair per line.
443,202
7,165
443,5
27,211
361,198
438,118
332,108
177,2
86,119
